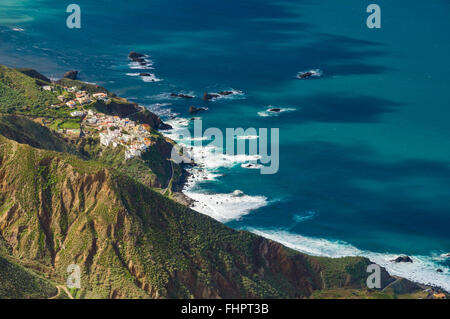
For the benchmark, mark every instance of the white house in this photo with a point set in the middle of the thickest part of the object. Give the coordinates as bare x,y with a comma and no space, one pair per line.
71,104
100,96
77,114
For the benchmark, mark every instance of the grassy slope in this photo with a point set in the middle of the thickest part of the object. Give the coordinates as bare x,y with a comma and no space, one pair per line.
34,74
24,131
152,169
134,242
19,282
91,88
20,93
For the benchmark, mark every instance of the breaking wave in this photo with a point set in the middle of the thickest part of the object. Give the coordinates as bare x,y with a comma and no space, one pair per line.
422,270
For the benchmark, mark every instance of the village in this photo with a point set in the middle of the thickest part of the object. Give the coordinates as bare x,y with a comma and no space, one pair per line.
113,130
72,96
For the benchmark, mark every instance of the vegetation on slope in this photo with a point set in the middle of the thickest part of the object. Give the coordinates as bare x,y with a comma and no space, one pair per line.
129,240
61,206
25,131
43,80
90,88
22,94
18,282
25,97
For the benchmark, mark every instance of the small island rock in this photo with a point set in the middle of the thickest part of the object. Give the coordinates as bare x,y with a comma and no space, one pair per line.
194,109
403,259
135,56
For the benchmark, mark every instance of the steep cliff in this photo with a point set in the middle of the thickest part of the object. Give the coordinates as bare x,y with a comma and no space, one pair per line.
57,209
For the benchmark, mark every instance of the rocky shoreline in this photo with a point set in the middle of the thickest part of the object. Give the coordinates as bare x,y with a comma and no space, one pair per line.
400,284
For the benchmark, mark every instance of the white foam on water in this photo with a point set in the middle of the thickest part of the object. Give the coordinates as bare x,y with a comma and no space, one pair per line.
315,72
226,207
268,113
247,137
17,29
251,166
146,78
150,78
167,96
233,206
147,65
298,218
209,159
207,156
198,175
177,124
235,95
162,109
202,138
212,158
137,66
422,270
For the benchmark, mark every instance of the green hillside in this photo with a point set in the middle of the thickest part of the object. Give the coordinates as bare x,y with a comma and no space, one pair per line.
67,201
25,131
91,88
21,94
130,241
18,282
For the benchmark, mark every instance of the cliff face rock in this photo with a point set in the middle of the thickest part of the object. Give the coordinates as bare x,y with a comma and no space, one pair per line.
193,109
209,96
151,119
136,57
130,241
71,74
181,96
34,74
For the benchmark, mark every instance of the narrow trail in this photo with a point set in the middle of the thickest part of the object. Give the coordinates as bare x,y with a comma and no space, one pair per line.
59,292
164,191
171,174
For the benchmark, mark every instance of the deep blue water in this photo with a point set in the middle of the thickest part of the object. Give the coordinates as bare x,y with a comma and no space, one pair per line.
365,149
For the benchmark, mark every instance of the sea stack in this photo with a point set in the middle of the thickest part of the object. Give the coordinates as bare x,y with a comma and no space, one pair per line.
305,75
194,109
225,93
403,259
209,96
182,96
136,57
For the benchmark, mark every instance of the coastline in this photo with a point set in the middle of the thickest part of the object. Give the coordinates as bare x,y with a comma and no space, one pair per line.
364,148
422,271
235,203
226,207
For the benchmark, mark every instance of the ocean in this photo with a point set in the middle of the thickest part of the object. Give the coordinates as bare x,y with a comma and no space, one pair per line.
364,147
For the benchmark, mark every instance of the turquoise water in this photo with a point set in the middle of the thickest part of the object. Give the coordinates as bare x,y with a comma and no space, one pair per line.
364,149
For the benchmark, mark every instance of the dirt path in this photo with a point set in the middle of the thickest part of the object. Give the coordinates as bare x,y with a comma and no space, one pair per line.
59,292
164,191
